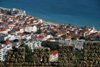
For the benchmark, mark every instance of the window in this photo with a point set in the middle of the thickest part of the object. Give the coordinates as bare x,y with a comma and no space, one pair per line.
8,46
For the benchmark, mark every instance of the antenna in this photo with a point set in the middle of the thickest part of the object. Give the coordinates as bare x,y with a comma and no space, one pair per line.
93,25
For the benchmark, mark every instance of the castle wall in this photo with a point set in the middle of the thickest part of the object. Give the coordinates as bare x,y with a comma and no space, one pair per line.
66,57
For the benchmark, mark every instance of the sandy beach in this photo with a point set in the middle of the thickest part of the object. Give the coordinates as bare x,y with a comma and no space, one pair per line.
50,23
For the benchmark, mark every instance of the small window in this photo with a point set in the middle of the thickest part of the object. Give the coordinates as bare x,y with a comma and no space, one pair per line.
41,59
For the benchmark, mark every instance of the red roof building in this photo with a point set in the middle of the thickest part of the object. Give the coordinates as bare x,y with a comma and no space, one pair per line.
53,54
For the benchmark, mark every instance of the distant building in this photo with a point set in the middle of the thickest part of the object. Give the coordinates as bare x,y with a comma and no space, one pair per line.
33,44
3,50
18,12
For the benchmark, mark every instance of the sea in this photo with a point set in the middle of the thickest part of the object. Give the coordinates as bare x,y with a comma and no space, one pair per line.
78,13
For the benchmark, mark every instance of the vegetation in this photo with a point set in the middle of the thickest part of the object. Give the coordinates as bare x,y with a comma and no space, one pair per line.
53,33
15,49
79,55
83,38
39,31
53,45
24,39
28,53
16,40
2,41
74,38
2,11
63,37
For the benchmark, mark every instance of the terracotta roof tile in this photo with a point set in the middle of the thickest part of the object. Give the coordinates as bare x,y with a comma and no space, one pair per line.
6,43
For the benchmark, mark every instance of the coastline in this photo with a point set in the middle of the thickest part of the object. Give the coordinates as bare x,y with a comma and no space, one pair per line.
50,23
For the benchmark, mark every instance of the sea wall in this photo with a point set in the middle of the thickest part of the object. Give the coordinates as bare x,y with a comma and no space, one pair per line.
66,57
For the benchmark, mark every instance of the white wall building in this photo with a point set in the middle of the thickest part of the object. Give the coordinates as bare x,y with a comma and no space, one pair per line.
53,55
33,44
3,50
34,28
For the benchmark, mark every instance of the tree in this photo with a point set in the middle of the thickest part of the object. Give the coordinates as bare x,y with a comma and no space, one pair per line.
16,40
69,24
83,38
79,54
2,41
74,38
2,11
39,31
28,52
22,44
85,27
24,39
53,33
63,36
15,49
52,45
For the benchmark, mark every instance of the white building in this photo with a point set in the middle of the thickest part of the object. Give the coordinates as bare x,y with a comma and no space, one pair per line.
7,37
3,50
34,29
27,37
18,12
17,44
53,55
33,44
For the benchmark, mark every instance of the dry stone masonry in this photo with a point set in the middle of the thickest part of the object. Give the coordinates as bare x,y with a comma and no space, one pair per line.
66,58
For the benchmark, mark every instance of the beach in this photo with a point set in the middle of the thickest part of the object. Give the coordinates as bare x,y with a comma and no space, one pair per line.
50,23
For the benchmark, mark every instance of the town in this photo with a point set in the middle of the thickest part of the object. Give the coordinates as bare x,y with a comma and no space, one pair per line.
16,28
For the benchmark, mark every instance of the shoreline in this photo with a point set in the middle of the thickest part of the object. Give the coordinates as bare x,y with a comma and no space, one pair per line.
50,23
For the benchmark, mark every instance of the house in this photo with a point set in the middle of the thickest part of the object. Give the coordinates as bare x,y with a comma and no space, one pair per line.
3,31
51,39
34,28
3,50
17,44
2,37
27,37
7,37
27,28
93,30
21,29
10,37
33,44
18,30
53,55
11,26
8,45
42,38
39,20
22,35
59,34
17,37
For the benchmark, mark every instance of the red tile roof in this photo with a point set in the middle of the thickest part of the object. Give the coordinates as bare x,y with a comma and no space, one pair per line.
42,37
35,36
16,29
6,43
5,22
59,33
54,53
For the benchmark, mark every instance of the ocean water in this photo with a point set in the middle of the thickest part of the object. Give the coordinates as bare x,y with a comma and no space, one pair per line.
79,13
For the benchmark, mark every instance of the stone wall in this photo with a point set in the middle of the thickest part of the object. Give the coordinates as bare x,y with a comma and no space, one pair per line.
66,57
16,55
41,52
